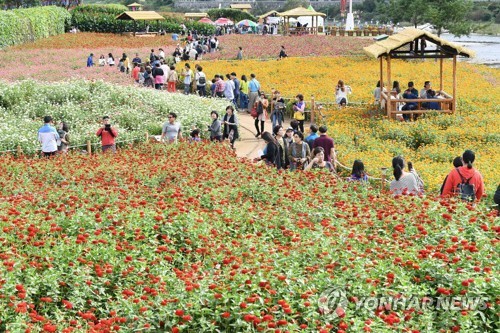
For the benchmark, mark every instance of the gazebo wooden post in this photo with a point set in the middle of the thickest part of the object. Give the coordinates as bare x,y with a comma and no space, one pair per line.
382,81
454,103
441,74
389,106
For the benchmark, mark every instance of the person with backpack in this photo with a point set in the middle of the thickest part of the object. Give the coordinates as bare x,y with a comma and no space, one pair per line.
465,181
260,113
201,81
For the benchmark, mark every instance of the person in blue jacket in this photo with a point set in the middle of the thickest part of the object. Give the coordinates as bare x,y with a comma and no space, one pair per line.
90,60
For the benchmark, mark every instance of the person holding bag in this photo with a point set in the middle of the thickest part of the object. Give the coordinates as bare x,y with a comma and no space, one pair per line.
259,113
299,109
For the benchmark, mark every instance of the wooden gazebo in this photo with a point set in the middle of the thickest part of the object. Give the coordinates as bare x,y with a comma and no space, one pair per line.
411,43
297,12
140,16
195,16
135,6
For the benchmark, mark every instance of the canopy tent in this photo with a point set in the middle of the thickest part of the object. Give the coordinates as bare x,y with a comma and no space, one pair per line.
411,43
223,21
140,16
246,23
206,20
298,12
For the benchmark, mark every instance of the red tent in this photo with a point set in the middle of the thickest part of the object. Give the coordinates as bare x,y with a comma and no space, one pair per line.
224,21
206,20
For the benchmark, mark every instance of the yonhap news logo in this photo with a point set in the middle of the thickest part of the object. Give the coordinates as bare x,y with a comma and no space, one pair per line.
335,301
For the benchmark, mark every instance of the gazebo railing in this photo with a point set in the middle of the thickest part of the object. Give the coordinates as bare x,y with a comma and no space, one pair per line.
446,103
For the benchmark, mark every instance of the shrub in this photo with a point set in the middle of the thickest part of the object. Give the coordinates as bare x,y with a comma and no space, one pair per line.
102,18
81,104
27,25
233,14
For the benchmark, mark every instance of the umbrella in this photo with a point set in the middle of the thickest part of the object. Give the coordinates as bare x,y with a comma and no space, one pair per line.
206,20
246,23
223,21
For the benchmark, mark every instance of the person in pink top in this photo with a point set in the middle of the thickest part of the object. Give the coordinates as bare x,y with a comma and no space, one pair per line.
464,174
159,76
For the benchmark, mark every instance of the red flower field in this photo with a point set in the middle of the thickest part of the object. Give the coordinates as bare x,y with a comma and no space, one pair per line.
188,238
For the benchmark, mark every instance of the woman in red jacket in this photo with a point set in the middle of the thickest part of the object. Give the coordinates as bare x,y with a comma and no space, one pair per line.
462,175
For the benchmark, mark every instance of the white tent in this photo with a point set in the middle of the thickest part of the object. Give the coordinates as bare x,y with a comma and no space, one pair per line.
308,19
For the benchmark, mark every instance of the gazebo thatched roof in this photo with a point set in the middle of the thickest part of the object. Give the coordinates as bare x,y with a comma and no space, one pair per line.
195,15
240,6
140,16
135,4
408,35
300,11
268,14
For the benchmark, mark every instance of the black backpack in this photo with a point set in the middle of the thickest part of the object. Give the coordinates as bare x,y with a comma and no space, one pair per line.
466,191
202,80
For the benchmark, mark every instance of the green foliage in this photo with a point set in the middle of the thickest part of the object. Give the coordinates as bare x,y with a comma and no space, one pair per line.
81,104
26,25
100,9
233,14
102,18
450,15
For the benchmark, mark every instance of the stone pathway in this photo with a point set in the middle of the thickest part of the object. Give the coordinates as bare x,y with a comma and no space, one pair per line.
248,146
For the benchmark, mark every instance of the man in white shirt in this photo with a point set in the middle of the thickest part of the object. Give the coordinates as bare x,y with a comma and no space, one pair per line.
162,53
47,136
201,81
192,54
229,88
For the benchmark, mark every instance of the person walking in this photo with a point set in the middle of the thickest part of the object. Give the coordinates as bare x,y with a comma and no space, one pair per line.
215,127
465,181
171,131
327,144
172,79
299,108
201,82
236,89
253,90
90,60
108,135
188,75
243,93
48,137
230,126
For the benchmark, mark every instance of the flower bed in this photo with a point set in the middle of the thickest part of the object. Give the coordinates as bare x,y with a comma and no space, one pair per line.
143,240
83,103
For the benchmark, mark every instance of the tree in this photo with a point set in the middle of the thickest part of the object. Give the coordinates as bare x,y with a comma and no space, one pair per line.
412,11
291,4
451,15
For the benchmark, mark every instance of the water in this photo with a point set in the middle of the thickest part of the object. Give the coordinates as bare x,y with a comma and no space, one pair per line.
487,48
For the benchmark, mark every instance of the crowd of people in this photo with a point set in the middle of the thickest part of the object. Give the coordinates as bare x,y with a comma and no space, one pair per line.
411,93
290,149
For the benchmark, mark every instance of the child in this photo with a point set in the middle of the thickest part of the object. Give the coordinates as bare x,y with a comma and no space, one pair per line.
358,172
195,136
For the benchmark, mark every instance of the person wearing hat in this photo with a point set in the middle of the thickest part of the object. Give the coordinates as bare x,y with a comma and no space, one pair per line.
289,135
464,174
